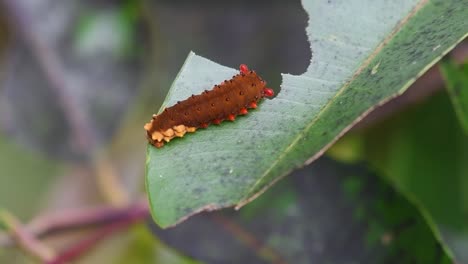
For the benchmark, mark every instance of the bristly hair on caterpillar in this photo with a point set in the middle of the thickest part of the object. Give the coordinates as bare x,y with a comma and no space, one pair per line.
224,102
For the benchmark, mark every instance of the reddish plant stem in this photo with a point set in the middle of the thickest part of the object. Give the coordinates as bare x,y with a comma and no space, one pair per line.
84,246
76,219
25,240
82,218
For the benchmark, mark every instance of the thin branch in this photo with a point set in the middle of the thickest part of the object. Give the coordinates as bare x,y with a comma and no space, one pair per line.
108,182
84,246
72,220
25,240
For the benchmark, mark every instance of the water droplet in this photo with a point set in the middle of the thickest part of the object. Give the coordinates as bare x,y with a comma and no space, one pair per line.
230,171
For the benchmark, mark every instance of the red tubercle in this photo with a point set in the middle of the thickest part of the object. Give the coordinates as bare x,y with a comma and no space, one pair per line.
268,92
243,111
243,68
231,117
204,125
253,105
217,121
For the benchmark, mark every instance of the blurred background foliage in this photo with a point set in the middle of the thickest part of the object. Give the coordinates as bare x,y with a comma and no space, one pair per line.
376,198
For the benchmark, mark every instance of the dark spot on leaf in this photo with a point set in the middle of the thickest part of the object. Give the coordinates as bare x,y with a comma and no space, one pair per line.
199,190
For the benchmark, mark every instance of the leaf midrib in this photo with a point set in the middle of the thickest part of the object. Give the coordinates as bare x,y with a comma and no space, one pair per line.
299,136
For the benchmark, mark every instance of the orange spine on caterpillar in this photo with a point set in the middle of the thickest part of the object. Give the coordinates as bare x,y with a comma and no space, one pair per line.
224,102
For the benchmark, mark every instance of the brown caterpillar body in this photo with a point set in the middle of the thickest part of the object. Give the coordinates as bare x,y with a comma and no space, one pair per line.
225,101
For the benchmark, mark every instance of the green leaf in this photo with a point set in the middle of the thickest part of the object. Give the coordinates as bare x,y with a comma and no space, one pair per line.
363,54
456,78
111,31
24,178
325,213
424,152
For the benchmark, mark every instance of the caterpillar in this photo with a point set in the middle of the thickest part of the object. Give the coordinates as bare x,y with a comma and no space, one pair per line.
224,102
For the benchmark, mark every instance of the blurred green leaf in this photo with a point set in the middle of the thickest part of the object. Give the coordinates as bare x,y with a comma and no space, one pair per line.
456,78
3,225
349,149
111,30
424,152
24,178
15,256
393,222
363,54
